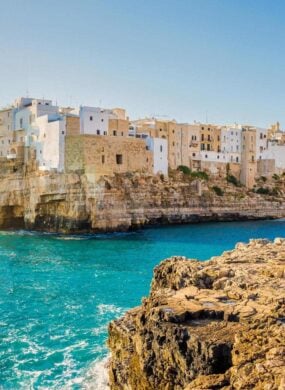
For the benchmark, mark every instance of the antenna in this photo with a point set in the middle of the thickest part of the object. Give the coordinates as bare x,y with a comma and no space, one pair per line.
206,116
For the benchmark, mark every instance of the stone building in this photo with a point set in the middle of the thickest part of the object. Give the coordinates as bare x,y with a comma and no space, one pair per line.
248,157
99,155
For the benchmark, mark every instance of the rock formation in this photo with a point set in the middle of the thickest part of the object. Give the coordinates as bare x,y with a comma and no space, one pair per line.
218,324
74,202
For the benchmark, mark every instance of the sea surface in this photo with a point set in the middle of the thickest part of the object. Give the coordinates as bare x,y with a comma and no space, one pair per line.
58,293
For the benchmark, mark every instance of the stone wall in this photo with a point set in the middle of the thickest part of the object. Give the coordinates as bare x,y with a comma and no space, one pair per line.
72,125
99,155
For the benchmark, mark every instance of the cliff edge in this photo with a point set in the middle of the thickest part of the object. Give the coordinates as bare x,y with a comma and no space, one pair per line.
218,324
76,203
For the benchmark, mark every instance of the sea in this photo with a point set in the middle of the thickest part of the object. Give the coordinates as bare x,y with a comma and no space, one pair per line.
58,293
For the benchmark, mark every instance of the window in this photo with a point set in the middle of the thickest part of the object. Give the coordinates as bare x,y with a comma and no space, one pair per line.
208,147
218,157
105,132
47,104
252,158
218,138
236,159
62,132
202,146
202,139
98,132
122,133
44,135
91,118
173,143
103,159
114,132
173,131
21,122
119,159
206,156
193,154
209,128
209,137
102,120
202,128
160,148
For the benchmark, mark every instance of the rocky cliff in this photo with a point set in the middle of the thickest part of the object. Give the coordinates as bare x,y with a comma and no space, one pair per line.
218,324
79,203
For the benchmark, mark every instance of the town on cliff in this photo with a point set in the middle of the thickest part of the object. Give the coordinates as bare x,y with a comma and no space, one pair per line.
97,141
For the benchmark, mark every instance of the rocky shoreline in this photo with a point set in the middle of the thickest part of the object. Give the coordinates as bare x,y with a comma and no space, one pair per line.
76,203
218,324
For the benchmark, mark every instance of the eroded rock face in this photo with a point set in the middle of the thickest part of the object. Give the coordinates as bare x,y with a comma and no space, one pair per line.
218,324
73,202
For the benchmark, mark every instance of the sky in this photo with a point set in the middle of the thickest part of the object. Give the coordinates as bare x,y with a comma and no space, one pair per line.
221,61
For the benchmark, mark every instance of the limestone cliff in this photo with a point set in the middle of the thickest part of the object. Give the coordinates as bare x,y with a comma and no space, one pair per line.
78,203
218,324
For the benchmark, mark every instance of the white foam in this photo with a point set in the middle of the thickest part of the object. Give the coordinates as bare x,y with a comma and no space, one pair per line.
103,309
96,377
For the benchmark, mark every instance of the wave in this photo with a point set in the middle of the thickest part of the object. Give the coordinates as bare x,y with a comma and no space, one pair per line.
96,377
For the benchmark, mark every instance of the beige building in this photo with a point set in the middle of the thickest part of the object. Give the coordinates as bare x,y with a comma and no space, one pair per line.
6,131
183,139
210,137
118,127
100,155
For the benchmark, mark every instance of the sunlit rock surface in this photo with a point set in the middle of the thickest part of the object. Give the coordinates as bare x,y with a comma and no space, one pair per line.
218,324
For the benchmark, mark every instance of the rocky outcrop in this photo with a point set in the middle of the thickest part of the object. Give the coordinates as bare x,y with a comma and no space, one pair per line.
218,324
79,203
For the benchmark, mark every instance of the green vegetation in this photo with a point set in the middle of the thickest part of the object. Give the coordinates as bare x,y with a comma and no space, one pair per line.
275,176
197,175
184,169
267,191
233,180
218,190
263,190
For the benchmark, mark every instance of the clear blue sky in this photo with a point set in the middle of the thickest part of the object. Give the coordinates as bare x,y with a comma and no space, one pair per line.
180,58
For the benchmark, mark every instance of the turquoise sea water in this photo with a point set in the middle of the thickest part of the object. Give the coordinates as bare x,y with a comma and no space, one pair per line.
57,294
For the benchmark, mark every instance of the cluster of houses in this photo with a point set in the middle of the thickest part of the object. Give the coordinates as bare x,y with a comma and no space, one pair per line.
98,141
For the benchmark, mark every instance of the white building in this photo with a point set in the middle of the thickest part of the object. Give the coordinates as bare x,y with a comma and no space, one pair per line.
159,148
50,142
95,120
205,155
231,143
275,152
261,142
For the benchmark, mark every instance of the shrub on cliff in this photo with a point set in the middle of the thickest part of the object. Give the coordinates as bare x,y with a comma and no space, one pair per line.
196,175
218,190
184,169
233,180
275,176
200,175
263,191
